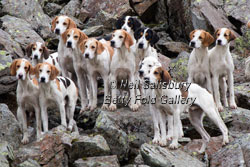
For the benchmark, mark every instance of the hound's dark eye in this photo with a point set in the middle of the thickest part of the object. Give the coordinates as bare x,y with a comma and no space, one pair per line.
75,36
17,66
120,36
48,71
225,35
200,37
57,22
141,33
113,35
93,47
193,36
25,68
68,35
40,70
218,34
86,46
34,48
64,23
150,65
156,72
40,50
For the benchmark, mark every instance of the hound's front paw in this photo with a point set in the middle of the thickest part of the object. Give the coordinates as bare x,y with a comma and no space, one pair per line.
156,140
225,140
112,107
163,142
169,137
92,108
133,107
220,108
105,107
173,145
233,106
25,140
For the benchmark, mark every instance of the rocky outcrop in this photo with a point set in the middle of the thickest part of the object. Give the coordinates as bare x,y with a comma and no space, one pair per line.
101,161
6,154
20,30
236,153
163,157
9,126
242,94
30,11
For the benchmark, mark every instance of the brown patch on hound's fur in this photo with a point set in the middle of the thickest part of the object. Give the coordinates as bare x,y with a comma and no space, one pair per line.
248,24
191,35
54,72
99,47
36,69
184,93
82,46
207,38
45,52
229,35
162,75
128,41
64,36
70,23
53,24
29,49
78,35
110,50
35,82
16,64
58,84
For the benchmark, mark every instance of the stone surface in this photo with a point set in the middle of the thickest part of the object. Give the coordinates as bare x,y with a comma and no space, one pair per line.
9,127
165,61
6,154
125,131
9,45
94,31
101,161
72,8
173,49
178,67
29,163
86,146
236,153
30,11
20,30
242,94
163,157
52,9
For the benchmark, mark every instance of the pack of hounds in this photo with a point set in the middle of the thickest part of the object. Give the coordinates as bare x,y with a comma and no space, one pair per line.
55,80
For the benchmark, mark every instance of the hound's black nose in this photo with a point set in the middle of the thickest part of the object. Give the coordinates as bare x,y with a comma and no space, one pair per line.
69,44
112,43
140,45
57,31
20,76
86,55
42,79
141,73
35,57
219,42
192,43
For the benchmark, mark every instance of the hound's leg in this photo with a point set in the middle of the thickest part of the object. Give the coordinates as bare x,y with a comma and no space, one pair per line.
223,85
231,90
215,82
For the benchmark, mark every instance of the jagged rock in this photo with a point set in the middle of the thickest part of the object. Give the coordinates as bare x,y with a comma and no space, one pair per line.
30,11
173,49
125,131
247,67
9,127
29,163
9,45
86,146
144,8
178,67
94,31
101,161
139,160
236,153
20,30
6,154
52,9
157,156
242,94
72,8
165,61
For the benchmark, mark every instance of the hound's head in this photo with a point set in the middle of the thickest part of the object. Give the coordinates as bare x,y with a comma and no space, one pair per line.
224,36
45,72
128,24
73,37
157,75
145,37
37,51
91,47
61,23
21,68
147,64
120,38
200,38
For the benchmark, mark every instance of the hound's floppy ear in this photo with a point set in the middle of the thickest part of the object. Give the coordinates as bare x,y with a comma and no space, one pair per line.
120,22
154,39
35,71
54,72
29,49
72,24
100,48
128,40
165,77
53,24
232,36
136,24
45,52
82,37
82,46
191,34
64,36
13,68
209,39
